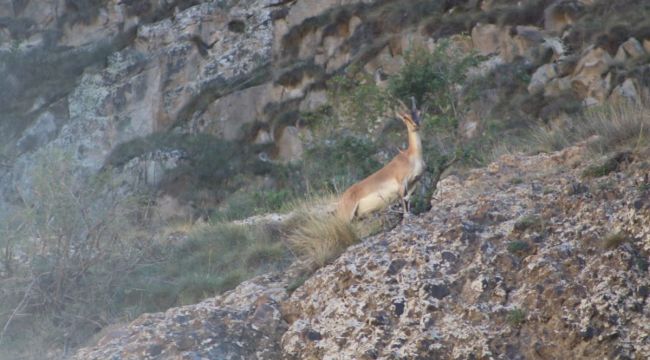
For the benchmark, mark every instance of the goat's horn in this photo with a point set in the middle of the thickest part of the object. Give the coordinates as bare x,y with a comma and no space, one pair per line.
402,106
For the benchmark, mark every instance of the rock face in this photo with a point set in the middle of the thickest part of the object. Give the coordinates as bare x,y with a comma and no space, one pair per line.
86,76
509,263
242,324
524,259
83,77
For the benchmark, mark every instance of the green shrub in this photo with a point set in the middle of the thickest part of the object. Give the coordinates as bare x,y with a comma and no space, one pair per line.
432,77
336,164
518,247
208,163
530,222
358,102
516,317
612,164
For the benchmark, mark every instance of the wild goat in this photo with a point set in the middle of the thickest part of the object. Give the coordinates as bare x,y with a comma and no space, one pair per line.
395,180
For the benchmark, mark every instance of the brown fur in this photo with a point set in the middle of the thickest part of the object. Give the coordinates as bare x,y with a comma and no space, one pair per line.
394,181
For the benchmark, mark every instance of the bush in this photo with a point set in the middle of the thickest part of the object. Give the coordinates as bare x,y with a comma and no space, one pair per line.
75,237
336,164
89,260
358,103
432,78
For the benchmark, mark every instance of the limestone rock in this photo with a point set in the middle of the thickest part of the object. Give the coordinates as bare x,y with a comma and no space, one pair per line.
630,49
625,91
587,79
290,144
541,77
486,38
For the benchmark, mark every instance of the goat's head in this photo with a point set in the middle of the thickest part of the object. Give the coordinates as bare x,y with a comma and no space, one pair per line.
411,118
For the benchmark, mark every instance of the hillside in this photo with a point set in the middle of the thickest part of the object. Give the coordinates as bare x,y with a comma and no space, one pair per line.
165,167
524,259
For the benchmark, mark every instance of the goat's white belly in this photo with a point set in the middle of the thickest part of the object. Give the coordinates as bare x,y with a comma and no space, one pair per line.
379,199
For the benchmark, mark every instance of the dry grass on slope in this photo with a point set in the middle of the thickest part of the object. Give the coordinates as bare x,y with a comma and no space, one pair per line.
315,234
615,126
319,238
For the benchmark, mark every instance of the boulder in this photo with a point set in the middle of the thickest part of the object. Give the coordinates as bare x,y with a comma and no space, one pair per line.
486,38
626,91
494,259
587,79
541,77
630,49
557,86
289,144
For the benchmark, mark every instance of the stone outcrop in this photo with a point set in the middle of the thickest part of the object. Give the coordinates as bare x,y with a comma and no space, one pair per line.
242,324
525,258
511,262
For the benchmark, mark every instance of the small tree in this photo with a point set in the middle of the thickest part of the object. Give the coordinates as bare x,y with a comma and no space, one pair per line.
435,80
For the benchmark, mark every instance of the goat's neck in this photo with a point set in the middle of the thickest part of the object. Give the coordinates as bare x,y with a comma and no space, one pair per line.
415,145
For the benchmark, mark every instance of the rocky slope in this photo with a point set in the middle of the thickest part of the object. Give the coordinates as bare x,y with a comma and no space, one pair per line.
524,259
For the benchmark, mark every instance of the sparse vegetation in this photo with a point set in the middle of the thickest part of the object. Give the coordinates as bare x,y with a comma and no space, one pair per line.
75,237
613,163
615,239
214,258
530,222
611,127
85,247
516,317
518,247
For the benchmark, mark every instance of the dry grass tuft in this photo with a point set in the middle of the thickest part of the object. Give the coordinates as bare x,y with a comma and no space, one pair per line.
612,126
320,237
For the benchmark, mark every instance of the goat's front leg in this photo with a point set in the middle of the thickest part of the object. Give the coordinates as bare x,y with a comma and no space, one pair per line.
405,206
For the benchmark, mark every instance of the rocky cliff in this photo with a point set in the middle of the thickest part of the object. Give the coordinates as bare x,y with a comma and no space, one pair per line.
524,259
85,76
